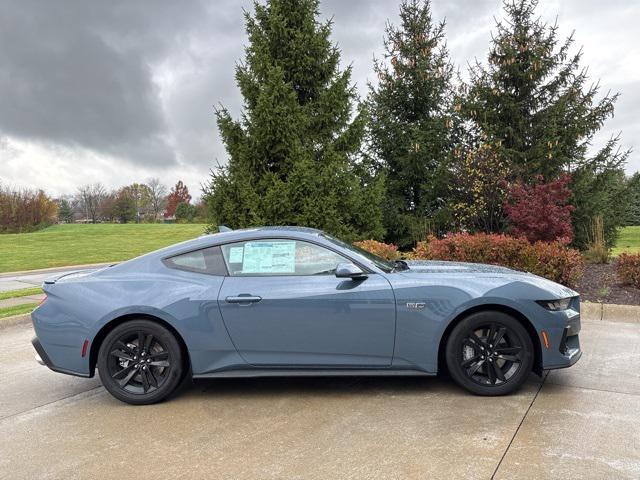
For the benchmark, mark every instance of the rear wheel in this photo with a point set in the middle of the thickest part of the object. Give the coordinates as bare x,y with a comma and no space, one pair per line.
489,353
140,362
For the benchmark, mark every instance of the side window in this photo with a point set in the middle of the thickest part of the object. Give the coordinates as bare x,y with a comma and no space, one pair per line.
279,257
207,260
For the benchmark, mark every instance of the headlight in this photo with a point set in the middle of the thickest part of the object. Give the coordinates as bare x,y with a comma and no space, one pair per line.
555,305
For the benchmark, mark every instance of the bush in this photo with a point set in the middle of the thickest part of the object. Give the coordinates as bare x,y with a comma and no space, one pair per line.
384,250
628,269
552,260
540,212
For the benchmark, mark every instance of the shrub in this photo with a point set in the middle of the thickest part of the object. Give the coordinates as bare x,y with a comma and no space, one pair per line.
557,262
552,260
384,250
540,212
628,269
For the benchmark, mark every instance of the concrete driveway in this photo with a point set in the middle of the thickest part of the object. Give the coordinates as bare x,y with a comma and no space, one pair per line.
582,422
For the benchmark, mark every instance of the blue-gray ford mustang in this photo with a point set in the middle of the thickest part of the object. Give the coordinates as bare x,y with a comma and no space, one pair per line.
296,301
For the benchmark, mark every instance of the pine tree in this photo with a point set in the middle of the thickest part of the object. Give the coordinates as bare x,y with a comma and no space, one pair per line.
533,100
294,156
411,130
65,212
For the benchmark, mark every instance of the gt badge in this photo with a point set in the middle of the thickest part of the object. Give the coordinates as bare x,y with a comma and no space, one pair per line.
415,305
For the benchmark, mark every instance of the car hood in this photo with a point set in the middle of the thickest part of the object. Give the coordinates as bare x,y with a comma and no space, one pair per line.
431,267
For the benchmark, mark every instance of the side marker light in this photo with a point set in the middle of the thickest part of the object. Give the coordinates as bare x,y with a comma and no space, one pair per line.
545,339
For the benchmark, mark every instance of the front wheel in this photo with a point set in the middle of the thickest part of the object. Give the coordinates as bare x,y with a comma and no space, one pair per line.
140,362
489,353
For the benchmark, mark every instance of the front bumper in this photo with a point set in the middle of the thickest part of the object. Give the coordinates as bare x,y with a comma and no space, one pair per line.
563,348
43,359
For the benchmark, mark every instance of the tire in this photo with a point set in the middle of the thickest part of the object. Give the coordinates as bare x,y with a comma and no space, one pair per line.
484,366
140,376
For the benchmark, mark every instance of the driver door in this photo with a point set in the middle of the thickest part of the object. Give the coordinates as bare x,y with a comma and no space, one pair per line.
283,306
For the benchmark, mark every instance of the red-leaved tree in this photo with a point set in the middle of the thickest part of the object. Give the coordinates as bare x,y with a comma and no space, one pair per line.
178,194
540,212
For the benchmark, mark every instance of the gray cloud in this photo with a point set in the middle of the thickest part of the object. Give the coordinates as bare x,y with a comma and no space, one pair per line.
81,73
135,83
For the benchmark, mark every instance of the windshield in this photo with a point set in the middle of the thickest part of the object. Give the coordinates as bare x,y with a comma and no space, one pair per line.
379,262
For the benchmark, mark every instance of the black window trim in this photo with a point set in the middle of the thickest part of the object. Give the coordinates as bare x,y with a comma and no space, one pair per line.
167,262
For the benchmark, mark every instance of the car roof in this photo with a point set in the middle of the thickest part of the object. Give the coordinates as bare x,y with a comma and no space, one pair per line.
279,228
238,236
147,261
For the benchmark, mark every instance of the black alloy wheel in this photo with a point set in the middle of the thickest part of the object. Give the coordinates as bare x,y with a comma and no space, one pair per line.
140,362
490,353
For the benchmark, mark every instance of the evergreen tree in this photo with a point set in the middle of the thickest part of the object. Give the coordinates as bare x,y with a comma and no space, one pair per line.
65,212
124,207
294,156
633,217
411,129
533,100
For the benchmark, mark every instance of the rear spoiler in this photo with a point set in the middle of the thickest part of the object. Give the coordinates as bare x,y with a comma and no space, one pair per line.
82,272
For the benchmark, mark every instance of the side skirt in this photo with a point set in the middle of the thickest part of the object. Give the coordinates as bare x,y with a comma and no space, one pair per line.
311,372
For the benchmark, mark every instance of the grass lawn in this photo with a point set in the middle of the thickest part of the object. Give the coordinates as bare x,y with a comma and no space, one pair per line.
62,245
23,292
628,241
17,310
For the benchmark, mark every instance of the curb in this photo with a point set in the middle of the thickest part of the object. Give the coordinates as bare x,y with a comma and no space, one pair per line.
15,320
61,268
609,312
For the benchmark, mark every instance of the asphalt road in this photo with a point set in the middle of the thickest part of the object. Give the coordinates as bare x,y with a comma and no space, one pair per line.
583,422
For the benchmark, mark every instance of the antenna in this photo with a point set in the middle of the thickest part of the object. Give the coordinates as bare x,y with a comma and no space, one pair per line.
224,228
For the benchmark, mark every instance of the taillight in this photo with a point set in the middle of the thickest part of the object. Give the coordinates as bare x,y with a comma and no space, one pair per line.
43,300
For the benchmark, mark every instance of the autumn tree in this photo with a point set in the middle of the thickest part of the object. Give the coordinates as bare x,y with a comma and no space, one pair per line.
478,189
179,194
540,211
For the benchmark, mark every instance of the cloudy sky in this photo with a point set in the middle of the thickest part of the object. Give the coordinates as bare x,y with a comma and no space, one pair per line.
120,91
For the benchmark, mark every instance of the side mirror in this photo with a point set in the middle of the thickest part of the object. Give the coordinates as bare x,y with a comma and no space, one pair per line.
349,270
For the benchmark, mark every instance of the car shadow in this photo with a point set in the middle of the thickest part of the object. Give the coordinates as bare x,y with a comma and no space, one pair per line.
333,386
318,386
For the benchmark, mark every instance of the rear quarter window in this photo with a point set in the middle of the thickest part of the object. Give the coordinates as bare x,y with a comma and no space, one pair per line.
207,260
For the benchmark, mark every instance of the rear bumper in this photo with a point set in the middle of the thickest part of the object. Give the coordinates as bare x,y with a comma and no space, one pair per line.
43,359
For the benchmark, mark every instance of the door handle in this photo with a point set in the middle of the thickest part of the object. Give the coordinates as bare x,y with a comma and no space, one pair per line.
243,299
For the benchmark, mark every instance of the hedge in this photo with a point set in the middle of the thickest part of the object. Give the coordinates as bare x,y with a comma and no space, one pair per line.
552,260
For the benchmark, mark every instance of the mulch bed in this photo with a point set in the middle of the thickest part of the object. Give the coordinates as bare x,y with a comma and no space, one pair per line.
600,284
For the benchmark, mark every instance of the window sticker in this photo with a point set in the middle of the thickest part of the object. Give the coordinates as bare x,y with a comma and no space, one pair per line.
269,257
236,254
